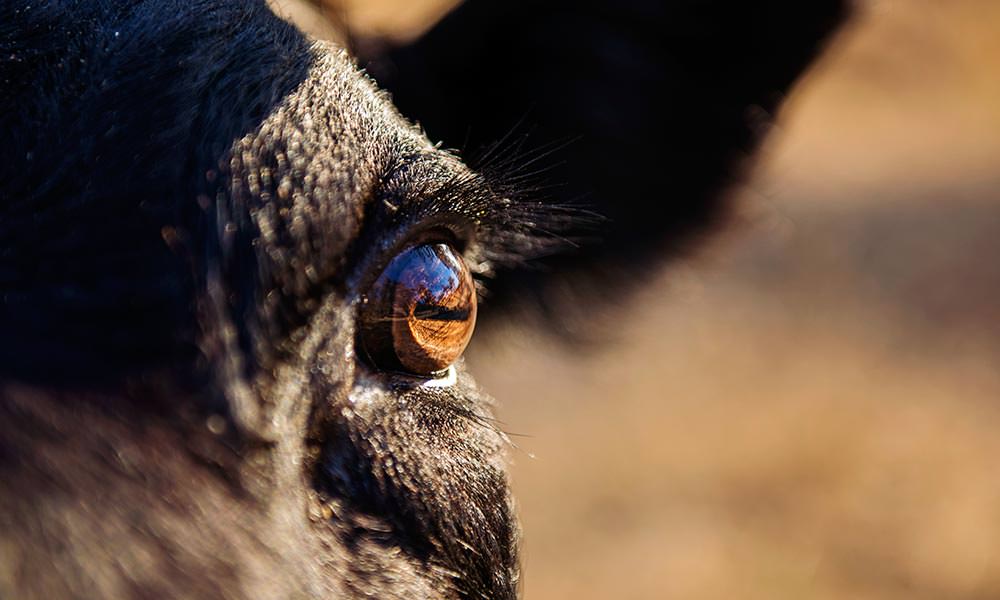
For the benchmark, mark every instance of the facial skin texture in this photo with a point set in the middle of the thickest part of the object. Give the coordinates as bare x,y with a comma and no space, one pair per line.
194,200
406,477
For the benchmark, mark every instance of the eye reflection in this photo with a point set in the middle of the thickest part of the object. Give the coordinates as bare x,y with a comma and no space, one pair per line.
420,313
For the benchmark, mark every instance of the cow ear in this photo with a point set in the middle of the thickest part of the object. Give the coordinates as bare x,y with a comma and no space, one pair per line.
651,109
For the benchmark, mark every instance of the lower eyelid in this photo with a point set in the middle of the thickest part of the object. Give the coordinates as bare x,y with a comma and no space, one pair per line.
448,379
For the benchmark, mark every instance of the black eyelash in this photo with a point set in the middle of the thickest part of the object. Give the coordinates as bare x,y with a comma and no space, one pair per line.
499,214
507,199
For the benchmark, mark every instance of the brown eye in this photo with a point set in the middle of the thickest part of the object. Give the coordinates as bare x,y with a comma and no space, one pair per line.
420,312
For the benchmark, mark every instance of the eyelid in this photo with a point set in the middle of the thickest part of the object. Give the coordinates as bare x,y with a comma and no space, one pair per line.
447,379
448,228
425,196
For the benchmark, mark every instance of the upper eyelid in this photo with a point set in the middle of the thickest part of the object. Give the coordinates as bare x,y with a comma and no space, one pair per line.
399,239
421,193
384,238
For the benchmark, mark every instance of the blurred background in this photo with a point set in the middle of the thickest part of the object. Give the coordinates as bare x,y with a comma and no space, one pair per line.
810,407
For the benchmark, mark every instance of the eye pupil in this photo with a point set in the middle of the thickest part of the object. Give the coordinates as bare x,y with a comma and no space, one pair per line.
420,313
433,312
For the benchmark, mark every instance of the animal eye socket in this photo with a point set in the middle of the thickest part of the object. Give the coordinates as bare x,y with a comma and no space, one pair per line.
419,314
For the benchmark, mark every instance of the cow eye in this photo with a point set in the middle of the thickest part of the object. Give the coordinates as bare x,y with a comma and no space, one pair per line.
419,314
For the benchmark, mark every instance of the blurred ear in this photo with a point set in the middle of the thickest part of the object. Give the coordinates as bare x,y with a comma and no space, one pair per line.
652,107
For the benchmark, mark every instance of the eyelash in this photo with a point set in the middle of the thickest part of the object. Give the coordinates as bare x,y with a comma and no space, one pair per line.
496,217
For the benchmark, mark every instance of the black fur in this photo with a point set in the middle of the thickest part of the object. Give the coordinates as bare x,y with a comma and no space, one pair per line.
193,198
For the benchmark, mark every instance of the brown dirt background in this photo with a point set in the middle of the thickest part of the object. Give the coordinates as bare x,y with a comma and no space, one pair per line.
809,408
